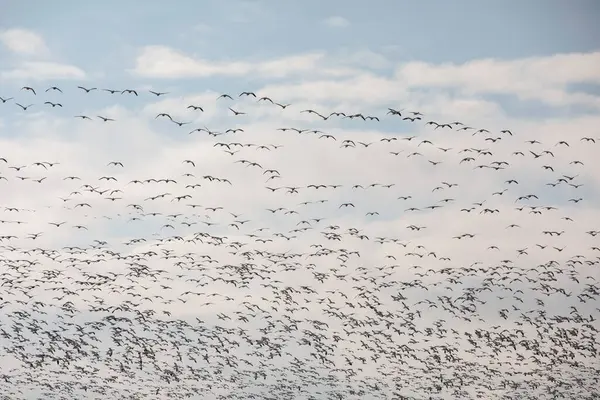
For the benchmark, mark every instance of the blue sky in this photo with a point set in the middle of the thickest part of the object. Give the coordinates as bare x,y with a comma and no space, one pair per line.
434,31
389,42
427,31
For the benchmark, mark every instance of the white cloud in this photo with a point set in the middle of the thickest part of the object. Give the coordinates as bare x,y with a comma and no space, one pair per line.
23,42
165,62
157,148
537,78
302,64
528,79
37,67
41,70
161,61
337,22
365,58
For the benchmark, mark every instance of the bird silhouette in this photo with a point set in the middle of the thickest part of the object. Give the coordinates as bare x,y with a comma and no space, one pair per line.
369,252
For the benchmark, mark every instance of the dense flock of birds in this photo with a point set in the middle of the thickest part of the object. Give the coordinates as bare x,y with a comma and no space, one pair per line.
304,298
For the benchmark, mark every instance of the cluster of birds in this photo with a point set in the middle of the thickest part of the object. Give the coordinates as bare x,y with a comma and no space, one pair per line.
305,297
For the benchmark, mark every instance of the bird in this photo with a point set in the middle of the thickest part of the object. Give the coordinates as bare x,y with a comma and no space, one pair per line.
164,115
236,112
303,261
29,88
24,107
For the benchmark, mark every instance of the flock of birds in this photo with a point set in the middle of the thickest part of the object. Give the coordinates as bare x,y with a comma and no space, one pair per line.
303,298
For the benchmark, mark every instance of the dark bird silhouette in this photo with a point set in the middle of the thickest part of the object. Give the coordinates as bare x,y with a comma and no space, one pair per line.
29,88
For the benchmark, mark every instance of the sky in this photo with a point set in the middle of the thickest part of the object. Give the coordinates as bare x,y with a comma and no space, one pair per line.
530,69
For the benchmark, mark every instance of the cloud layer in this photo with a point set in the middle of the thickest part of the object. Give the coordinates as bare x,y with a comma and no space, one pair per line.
425,241
39,63
23,42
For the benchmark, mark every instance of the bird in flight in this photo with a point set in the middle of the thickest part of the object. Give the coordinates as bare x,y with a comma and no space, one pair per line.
324,258
29,88
158,94
87,90
236,112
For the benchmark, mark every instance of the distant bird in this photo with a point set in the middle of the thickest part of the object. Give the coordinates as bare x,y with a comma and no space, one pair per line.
86,89
307,260
29,88
24,107
236,112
